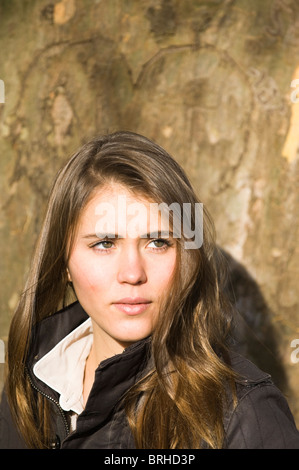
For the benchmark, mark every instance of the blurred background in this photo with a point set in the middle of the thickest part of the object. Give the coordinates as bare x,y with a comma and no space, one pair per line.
214,82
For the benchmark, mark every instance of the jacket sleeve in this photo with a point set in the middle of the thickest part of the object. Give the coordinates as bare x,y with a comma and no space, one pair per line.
9,435
262,420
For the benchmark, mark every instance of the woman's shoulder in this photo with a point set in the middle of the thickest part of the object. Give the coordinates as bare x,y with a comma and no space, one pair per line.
248,373
261,417
9,435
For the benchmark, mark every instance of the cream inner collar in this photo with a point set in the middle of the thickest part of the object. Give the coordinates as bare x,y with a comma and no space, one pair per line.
63,367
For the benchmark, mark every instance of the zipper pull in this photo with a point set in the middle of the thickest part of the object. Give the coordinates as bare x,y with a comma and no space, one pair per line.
55,443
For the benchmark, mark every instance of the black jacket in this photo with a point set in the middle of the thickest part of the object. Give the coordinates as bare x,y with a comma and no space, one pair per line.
261,420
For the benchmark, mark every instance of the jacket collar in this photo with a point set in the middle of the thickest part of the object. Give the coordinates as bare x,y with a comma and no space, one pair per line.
50,331
63,367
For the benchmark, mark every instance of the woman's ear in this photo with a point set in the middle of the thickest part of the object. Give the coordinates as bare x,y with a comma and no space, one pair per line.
68,275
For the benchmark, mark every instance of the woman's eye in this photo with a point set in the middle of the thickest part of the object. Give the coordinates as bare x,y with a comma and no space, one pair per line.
159,243
103,245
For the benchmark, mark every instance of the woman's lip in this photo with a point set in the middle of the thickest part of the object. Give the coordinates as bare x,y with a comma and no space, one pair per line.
133,301
132,306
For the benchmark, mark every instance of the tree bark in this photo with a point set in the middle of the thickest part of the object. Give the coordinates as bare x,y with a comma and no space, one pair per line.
214,82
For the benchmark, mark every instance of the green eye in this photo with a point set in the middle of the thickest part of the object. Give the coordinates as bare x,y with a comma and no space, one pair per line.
106,244
103,245
159,243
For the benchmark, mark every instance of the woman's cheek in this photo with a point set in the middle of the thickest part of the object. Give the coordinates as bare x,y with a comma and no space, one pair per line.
90,278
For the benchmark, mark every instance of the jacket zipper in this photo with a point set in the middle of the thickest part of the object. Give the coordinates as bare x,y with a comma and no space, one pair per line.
66,426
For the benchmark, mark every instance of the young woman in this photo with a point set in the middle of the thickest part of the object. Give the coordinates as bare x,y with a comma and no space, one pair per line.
140,359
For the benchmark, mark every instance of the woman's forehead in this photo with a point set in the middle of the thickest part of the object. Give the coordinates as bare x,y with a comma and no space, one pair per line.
117,210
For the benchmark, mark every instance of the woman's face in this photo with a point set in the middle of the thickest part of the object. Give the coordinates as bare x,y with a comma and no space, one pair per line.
119,267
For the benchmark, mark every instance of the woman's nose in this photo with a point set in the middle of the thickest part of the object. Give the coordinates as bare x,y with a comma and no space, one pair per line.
131,269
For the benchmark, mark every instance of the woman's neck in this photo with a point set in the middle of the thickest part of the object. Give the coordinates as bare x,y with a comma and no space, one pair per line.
103,347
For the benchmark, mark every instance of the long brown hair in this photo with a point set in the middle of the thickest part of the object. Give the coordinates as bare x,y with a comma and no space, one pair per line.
189,376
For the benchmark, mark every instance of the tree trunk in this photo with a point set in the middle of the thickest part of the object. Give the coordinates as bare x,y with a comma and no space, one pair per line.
214,82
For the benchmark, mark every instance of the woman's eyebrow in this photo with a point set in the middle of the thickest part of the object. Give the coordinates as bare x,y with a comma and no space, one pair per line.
153,234
101,235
